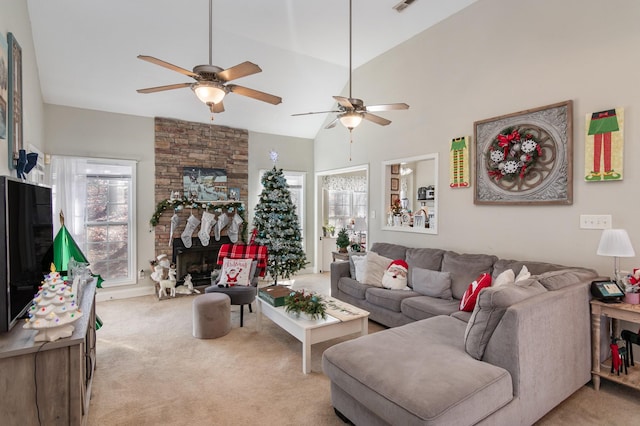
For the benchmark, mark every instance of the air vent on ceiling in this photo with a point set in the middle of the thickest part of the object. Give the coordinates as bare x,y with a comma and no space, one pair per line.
403,5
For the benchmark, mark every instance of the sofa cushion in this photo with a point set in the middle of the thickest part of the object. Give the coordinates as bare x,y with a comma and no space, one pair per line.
555,280
352,287
392,251
423,307
490,307
432,283
426,258
465,268
418,389
353,256
388,299
535,268
468,301
375,268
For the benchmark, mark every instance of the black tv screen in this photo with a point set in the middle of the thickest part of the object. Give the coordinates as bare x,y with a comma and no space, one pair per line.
28,245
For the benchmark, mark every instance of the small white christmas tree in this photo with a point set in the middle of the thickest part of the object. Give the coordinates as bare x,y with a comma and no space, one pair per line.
54,308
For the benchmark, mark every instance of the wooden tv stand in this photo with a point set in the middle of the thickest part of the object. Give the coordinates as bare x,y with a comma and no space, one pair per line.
58,373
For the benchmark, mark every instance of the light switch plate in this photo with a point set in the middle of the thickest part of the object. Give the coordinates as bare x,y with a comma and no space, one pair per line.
595,221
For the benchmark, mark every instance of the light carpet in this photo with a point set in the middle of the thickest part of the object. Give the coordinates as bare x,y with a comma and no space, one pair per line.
151,371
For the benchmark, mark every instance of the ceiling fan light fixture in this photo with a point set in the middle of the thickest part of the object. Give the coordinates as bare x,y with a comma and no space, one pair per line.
350,119
209,92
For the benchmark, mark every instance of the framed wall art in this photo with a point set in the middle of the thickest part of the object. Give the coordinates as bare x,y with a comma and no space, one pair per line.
203,184
604,145
4,79
14,120
395,169
525,157
395,184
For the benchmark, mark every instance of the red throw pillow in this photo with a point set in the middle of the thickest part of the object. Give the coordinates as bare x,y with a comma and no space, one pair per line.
469,297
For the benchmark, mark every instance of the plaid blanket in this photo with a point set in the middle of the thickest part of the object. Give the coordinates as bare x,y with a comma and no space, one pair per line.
242,251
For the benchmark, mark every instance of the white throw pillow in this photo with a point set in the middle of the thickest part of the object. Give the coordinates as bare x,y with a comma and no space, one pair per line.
360,264
523,274
235,272
506,277
376,265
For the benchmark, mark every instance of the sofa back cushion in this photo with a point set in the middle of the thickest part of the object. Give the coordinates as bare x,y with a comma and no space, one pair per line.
425,258
555,280
536,268
465,268
490,306
392,251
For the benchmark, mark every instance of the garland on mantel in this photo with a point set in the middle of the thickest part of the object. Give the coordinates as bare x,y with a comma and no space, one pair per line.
216,206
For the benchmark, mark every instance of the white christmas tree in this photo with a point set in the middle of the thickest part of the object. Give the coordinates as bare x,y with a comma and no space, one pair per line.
54,308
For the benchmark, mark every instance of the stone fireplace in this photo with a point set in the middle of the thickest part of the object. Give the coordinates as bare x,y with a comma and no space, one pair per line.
182,144
197,260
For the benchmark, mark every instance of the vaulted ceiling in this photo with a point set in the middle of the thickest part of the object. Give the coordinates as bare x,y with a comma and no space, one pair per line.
86,53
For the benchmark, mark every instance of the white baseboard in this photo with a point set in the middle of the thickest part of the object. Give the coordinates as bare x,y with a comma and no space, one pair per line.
105,294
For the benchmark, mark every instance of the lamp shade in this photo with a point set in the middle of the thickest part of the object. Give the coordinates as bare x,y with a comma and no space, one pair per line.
350,120
209,92
615,242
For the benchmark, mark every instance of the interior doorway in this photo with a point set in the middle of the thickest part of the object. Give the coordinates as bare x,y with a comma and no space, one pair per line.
342,201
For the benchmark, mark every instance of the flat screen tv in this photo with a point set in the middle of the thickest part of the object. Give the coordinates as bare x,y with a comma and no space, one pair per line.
26,245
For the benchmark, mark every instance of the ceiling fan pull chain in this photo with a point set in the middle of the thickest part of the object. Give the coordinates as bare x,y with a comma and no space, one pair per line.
350,142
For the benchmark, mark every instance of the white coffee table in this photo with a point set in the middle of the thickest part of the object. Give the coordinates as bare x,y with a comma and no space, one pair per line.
348,319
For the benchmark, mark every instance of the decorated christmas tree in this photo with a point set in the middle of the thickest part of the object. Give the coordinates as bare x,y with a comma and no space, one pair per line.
277,227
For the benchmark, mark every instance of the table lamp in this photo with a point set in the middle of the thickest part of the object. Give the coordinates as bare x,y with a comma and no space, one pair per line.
615,243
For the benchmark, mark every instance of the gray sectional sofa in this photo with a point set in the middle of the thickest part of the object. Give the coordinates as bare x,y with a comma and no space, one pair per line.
523,349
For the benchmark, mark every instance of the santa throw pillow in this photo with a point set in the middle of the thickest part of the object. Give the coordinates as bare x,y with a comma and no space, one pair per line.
395,277
468,301
235,272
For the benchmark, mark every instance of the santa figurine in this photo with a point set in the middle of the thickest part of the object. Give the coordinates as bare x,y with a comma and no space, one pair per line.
395,277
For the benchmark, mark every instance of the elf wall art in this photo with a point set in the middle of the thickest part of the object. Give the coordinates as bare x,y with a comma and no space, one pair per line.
604,147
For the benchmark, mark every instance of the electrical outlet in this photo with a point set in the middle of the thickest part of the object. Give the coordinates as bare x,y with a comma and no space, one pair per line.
595,221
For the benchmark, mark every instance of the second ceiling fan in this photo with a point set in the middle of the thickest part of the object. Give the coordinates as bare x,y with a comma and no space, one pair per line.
353,110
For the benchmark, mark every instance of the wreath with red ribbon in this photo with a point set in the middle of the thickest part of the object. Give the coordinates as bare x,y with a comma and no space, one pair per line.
512,154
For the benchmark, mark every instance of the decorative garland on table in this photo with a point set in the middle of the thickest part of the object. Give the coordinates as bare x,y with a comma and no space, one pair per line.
216,206
512,155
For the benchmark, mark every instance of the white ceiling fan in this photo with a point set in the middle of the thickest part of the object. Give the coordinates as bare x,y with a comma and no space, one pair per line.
351,111
210,80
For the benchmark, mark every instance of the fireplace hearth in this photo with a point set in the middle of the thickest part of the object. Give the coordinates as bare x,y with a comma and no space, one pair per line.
198,260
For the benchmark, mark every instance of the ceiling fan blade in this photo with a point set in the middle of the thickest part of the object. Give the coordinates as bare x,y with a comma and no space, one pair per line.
376,119
343,101
162,88
216,108
241,70
168,65
387,107
309,113
332,124
255,94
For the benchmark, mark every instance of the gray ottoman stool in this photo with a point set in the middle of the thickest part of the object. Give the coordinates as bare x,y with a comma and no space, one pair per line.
211,315
239,294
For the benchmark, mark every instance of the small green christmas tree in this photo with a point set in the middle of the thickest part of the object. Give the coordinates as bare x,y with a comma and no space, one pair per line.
277,224
343,240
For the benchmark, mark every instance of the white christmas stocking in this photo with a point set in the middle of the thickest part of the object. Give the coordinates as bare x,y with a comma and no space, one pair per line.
205,228
175,220
192,223
232,232
223,220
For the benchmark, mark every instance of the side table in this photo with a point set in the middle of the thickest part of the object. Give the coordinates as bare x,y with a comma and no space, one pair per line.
339,256
617,312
